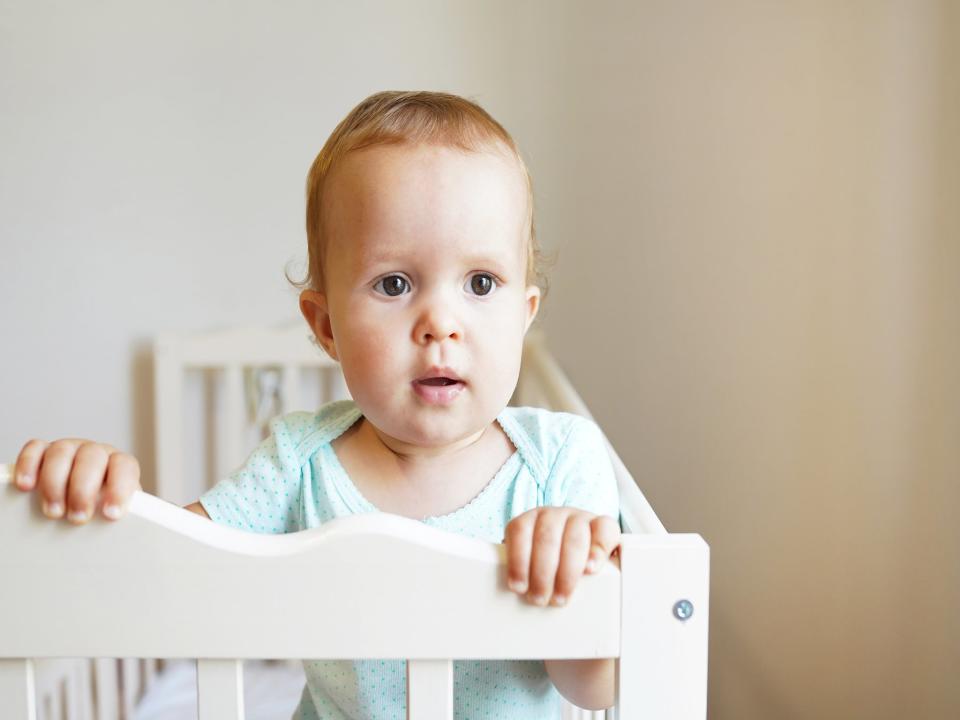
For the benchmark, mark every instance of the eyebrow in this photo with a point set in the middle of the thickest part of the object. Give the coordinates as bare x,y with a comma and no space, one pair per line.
477,261
486,261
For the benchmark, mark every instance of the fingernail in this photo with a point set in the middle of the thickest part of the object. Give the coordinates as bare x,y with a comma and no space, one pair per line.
591,565
77,516
111,511
559,600
538,600
518,586
52,509
23,481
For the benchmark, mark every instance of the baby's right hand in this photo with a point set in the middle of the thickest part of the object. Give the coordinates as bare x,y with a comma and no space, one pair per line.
70,473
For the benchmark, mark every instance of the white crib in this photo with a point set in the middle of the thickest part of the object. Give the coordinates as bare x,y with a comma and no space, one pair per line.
165,583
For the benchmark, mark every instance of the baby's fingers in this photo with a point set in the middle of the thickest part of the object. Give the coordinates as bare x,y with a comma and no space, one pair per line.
605,531
28,463
573,556
534,546
519,541
86,479
70,473
53,475
123,478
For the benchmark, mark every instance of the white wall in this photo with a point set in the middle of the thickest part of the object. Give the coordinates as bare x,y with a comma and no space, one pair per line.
757,286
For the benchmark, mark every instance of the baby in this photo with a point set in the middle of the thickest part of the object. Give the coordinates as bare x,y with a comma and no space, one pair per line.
422,282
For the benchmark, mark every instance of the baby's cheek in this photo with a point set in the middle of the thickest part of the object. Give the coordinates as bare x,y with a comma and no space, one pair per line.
504,371
506,355
366,368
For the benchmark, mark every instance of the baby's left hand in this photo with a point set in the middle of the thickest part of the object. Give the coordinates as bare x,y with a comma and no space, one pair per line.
548,549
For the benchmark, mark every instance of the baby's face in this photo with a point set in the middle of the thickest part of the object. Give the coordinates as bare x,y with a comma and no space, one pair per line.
425,273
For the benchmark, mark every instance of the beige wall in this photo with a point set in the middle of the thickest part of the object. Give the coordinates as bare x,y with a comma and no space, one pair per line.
758,293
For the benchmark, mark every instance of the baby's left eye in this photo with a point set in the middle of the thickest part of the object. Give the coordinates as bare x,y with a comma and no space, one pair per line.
481,284
392,285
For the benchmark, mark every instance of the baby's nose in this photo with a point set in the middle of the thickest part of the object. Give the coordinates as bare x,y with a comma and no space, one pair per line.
436,324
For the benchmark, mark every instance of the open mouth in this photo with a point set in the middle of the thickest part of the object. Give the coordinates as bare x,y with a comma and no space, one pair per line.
441,386
438,381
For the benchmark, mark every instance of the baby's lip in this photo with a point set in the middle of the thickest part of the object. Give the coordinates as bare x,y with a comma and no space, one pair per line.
440,372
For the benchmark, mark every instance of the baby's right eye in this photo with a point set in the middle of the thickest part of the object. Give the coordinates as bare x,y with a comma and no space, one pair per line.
392,285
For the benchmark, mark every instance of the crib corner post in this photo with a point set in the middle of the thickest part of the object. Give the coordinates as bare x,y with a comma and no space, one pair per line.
662,669
18,690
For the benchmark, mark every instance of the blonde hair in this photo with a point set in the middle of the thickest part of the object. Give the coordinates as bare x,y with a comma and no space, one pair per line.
394,117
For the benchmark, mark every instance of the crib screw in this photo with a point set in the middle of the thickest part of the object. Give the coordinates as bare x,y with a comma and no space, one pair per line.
683,609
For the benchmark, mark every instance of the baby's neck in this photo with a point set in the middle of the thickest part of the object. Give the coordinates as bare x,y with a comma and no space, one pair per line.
413,455
419,485
402,482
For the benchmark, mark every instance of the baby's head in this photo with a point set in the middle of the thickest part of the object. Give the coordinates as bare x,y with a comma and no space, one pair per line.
424,270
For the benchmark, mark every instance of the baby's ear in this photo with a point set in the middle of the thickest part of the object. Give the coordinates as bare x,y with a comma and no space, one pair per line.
533,304
315,311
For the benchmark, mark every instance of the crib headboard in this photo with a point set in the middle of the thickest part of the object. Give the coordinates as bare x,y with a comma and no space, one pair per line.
167,583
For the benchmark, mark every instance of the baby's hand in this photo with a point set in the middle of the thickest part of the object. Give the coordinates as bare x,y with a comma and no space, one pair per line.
549,548
69,474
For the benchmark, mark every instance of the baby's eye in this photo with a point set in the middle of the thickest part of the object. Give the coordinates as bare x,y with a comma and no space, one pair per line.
392,285
481,284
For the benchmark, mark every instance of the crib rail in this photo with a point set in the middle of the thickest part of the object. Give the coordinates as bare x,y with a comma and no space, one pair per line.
165,582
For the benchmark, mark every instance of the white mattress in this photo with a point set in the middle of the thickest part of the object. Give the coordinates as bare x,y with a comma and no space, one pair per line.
270,692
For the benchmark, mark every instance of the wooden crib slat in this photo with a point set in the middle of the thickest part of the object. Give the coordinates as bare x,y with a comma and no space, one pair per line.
328,378
150,671
78,690
130,685
232,422
18,691
429,690
220,689
48,675
107,688
290,389
168,414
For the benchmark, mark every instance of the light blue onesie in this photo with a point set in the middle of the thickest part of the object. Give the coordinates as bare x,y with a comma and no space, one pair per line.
293,481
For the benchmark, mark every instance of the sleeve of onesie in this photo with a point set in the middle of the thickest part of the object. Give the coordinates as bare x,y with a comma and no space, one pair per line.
263,494
582,475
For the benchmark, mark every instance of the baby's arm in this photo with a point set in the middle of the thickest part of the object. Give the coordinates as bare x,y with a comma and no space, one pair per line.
197,508
71,473
550,548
